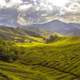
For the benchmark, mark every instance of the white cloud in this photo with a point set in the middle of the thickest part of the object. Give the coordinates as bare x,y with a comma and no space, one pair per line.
63,6
10,3
14,3
2,3
74,7
21,21
24,7
44,5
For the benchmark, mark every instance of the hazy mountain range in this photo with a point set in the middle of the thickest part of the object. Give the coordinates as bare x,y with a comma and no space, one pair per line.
70,29
56,26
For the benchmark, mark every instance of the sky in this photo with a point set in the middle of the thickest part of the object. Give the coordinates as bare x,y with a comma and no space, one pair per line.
69,5
37,11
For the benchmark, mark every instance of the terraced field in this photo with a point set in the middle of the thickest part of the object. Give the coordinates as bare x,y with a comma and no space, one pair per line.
59,60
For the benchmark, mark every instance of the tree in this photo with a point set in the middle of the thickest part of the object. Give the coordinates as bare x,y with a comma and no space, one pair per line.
53,37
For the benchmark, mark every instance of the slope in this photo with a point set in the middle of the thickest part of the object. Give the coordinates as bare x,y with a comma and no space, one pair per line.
53,61
18,34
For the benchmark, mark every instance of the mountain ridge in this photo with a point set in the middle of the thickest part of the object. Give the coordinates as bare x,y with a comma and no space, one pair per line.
67,29
57,26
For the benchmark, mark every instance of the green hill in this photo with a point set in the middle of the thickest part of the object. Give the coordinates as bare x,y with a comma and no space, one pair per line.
18,34
58,60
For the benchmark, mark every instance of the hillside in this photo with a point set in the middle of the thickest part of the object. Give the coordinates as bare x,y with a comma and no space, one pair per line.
18,34
39,61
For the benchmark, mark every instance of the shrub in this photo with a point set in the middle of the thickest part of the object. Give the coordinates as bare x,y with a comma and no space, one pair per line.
52,37
7,51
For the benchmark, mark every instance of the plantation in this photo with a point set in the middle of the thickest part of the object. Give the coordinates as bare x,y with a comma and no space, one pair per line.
57,60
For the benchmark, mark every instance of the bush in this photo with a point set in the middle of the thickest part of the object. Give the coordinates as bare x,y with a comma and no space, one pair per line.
52,37
7,51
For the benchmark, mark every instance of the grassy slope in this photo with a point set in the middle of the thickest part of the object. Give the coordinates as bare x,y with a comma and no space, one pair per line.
18,34
54,61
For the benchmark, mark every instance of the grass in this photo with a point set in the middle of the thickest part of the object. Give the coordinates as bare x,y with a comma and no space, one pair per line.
59,60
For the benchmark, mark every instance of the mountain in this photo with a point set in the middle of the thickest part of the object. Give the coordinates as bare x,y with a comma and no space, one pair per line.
72,29
69,29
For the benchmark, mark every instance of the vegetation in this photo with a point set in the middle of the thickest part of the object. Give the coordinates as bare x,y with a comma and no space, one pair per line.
59,60
19,35
53,37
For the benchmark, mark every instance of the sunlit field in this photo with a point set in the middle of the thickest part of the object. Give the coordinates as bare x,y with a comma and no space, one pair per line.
57,60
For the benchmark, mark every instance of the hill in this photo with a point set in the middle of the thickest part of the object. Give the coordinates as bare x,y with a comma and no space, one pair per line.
18,34
40,61
69,29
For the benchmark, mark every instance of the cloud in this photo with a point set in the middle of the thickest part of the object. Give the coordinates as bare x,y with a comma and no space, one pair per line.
74,8
24,7
38,11
14,3
9,3
48,6
22,21
46,10
2,3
